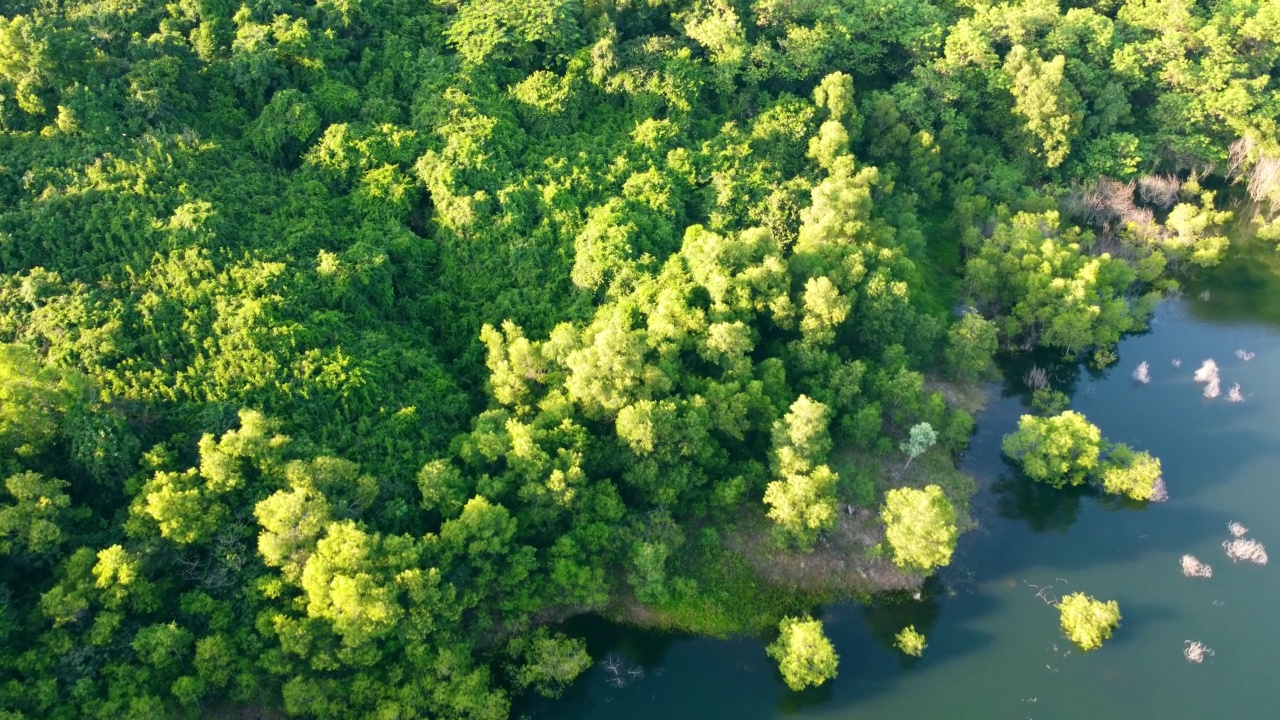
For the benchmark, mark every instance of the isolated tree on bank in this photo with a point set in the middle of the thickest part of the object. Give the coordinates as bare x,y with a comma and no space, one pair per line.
920,527
921,438
804,654
1060,450
1087,621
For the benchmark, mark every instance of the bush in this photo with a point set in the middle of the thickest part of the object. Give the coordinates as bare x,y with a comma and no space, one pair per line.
1086,621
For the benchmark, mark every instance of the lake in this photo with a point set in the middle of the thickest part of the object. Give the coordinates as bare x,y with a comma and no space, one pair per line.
995,650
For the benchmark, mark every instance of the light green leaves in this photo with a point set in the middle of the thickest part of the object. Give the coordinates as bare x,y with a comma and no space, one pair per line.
1087,621
1060,450
805,656
920,527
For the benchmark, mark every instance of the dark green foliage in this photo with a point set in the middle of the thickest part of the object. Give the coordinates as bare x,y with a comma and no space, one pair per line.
343,345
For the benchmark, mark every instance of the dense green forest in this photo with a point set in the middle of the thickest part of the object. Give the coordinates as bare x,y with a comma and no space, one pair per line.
349,346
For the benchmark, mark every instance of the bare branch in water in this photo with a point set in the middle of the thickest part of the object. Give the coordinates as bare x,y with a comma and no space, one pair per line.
1196,651
1159,491
1208,372
1244,355
1143,373
1177,362
1236,529
1036,378
1191,567
1233,395
1243,549
1213,389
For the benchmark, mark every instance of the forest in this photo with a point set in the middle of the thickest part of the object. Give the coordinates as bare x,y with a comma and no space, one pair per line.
349,347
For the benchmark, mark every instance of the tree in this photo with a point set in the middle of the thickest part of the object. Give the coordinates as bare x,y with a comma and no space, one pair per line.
804,654
802,505
920,527
33,400
921,438
910,642
1060,450
547,662
971,342
1046,100
1087,621
1134,474
34,522
802,501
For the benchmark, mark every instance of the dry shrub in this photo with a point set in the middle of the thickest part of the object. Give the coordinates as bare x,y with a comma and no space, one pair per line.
1159,190
1262,171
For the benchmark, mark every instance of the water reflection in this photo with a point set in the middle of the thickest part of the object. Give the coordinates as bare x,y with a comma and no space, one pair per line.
893,611
1042,507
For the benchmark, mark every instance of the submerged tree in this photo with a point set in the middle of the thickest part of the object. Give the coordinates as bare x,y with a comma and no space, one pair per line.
910,642
1130,473
1060,450
804,654
1087,621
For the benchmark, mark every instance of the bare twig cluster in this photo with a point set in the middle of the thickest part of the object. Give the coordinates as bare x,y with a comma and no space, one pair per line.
1237,530
1263,172
1234,395
1208,374
1244,355
618,673
1245,549
1143,373
1208,371
1036,378
1042,592
1196,651
1159,190
1192,567
1159,491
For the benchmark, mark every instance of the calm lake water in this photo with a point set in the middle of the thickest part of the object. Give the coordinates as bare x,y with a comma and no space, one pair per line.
995,650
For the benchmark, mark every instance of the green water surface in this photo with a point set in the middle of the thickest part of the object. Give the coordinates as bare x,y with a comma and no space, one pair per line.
995,650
